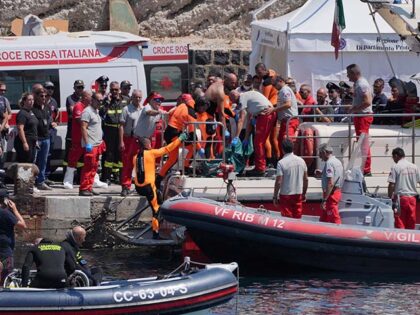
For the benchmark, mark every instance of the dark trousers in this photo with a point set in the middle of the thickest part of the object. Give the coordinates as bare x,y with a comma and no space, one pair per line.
112,156
23,156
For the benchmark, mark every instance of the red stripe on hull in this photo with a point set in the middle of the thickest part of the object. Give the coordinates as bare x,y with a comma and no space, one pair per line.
282,224
139,308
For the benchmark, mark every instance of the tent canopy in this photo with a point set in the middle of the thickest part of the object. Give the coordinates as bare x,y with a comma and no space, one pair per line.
298,44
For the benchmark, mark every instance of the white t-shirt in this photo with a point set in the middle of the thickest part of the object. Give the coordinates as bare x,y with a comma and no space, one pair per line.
292,168
405,176
94,128
286,94
254,102
361,87
332,169
129,117
146,124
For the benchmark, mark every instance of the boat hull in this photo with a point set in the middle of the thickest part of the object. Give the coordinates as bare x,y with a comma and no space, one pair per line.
254,237
176,295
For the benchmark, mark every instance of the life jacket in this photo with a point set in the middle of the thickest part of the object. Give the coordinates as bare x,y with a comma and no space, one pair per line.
267,87
183,114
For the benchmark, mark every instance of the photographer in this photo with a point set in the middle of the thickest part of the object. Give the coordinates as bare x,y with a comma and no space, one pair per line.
9,218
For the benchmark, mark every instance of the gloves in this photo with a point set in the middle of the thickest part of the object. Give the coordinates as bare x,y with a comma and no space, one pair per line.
88,148
235,141
227,133
183,136
202,153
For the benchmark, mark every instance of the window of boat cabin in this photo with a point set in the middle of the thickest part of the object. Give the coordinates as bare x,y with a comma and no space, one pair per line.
20,81
169,80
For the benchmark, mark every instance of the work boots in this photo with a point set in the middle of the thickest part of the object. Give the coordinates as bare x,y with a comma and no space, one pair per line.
68,178
97,182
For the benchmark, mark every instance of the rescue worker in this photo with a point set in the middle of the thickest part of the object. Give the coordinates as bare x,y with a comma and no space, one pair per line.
208,128
71,100
51,262
92,143
183,116
101,85
269,90
259,107
128,141
246,84
362,104
144,166
286,109
125,90
403,179
110,112
74,240
291,182
332,178
76,150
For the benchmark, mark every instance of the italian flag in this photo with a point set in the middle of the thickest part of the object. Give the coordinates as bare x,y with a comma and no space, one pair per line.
339,25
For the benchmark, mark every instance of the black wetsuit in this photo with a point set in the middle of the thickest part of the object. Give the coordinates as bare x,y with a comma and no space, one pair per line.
51,262
73,250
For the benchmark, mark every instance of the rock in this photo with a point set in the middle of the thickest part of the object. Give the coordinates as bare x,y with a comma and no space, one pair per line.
235,57
202,57
245,58
221,57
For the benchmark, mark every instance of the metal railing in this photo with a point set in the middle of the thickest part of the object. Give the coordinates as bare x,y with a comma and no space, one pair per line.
350,137
215,141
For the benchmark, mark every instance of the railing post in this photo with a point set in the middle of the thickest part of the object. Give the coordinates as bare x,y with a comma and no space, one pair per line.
349,139
413,139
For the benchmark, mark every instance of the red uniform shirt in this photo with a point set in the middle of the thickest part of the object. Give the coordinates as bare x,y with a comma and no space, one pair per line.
76,132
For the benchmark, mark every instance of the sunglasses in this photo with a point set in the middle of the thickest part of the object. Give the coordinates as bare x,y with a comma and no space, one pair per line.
104,85
80,87
158,100
3,90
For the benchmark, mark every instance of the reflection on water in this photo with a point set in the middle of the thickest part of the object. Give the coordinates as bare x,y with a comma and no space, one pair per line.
325,293
298,293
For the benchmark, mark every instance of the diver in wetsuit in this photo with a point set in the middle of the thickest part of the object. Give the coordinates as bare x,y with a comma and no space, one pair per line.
144,165
51,262
74,240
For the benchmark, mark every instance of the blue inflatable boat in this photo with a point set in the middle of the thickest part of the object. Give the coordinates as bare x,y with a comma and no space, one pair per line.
188,291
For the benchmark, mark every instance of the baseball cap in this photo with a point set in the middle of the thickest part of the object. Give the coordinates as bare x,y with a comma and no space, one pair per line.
48,84
125,83
102,79
157,97
79,83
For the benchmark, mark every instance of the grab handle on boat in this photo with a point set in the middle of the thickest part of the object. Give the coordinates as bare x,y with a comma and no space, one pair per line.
262,209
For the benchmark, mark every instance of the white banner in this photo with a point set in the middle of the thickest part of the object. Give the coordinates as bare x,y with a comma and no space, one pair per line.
349,43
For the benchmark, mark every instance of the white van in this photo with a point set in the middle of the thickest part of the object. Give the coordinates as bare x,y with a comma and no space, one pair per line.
66,57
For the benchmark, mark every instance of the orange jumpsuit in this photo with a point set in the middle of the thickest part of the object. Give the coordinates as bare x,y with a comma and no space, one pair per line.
207,133
144,166
181,116
270,92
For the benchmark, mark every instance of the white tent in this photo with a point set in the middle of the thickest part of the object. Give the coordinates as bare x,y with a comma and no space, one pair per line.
298,44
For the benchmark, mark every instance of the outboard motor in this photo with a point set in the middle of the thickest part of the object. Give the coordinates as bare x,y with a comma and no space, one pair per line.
357,208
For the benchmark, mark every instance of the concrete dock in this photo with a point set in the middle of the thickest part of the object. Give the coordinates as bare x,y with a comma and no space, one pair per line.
52,213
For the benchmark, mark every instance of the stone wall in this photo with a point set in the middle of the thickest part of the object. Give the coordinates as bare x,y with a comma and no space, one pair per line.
203,62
